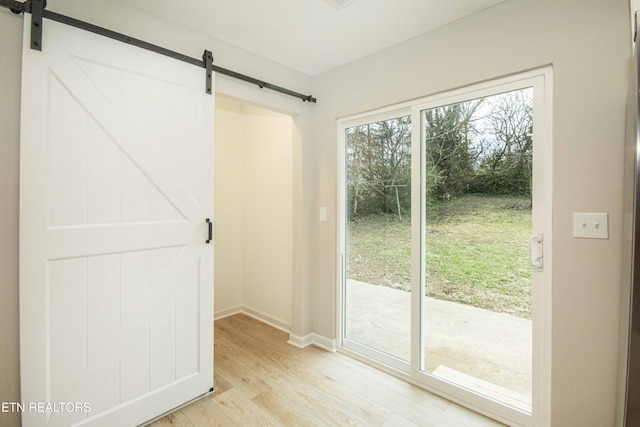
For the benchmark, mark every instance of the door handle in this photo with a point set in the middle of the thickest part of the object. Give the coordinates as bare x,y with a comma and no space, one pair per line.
536,255
210,231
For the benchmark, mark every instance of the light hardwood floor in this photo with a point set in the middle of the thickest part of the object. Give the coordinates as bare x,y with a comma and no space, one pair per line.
261,380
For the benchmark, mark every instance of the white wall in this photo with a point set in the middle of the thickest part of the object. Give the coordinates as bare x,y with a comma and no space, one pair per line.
10,68
254,212
268,205
228,217
588,45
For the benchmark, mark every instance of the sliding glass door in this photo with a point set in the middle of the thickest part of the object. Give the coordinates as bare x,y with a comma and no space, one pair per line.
377,299
446,216
477,219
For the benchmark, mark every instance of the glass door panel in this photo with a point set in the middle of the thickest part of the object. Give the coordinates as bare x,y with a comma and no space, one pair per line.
376,294
476,329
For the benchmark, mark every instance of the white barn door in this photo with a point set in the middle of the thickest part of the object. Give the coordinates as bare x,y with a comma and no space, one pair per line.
116,280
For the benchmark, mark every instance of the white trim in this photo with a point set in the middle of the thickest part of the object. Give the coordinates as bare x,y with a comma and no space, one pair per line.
259,315
371,353
377,116
313,339
542,82
270,320
318,340
227,312
325,343
237,90
341,234
300,342
542,299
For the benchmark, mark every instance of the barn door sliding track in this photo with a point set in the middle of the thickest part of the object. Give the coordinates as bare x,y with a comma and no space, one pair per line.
38,11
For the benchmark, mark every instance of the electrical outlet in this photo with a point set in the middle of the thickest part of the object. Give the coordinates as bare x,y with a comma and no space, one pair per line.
591,225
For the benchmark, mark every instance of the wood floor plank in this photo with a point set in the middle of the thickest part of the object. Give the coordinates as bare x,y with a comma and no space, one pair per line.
396,387
237,407
255,329
325,389
412,409
175,419
315,392
399,421
261,380
287,411
206,412
248,334
232,372
220,383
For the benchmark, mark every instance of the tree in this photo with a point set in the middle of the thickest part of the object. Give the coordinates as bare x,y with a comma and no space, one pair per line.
449,158
505,165
483,145
378,158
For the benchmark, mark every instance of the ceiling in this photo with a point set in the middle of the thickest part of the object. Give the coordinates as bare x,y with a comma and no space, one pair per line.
313,36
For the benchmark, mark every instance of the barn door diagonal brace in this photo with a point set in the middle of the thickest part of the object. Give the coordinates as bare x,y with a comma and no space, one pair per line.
37,8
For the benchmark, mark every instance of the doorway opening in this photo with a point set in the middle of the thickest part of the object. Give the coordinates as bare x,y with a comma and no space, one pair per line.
253,212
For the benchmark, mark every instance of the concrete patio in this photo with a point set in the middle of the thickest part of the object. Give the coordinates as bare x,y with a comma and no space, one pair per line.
485,351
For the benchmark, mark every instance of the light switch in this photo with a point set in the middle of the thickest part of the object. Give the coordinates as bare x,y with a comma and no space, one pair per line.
591,225
323,213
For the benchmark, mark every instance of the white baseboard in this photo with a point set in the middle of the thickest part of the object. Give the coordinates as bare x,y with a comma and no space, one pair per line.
227,312
313,339
267,318
295,340
325,343
256,314
300,342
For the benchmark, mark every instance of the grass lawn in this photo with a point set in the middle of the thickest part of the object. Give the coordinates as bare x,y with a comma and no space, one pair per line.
476,252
